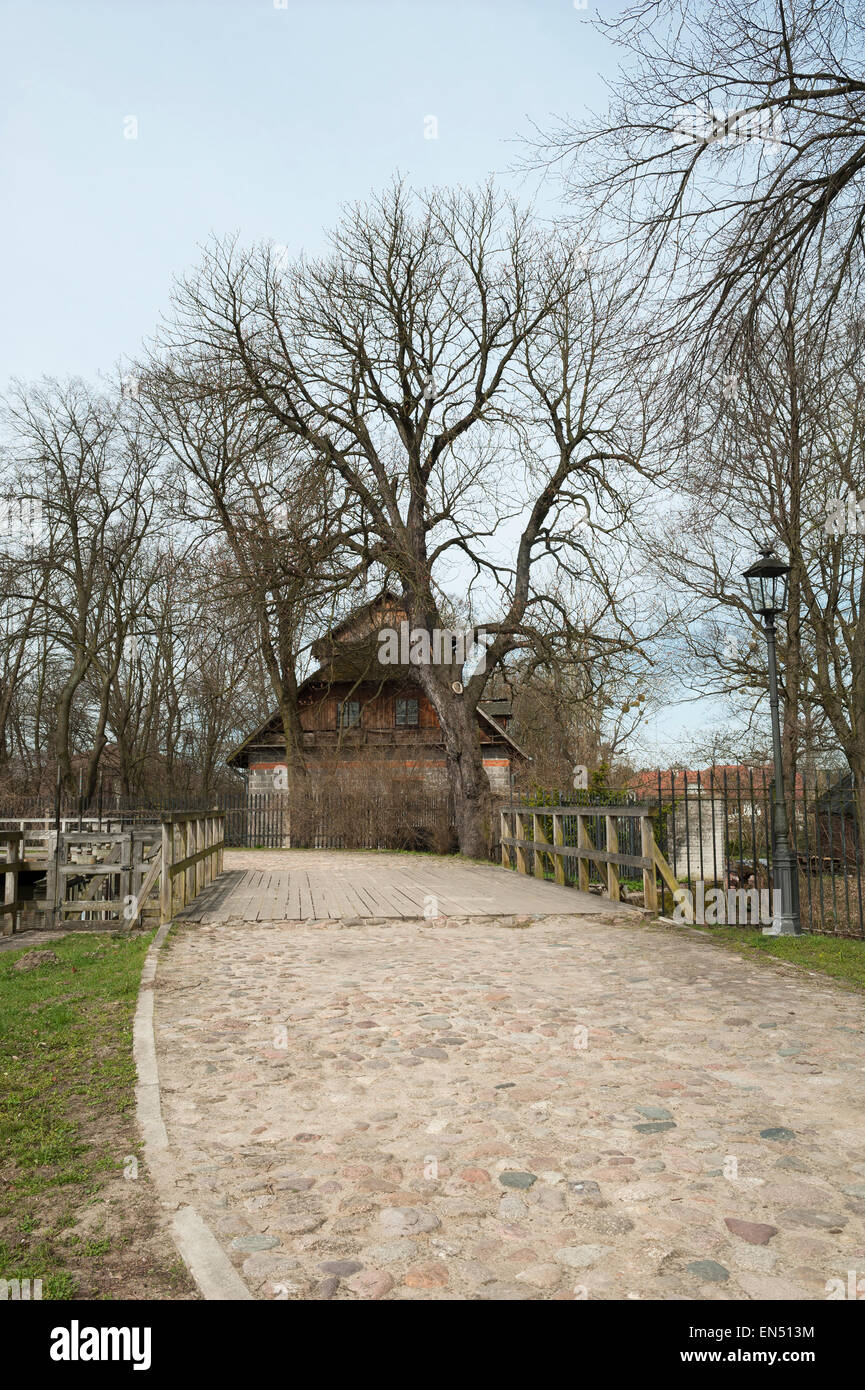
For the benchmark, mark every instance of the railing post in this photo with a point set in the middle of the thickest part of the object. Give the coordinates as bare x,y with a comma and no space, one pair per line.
188,851
10,882
582,864
650,880
199,846
127,872
164,876
538,838
505,831
613,891
134,883
55,884
208,842
520,849
176,879
558,839
169,830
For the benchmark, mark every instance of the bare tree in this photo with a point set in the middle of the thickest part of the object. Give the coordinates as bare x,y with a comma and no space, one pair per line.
732,152
574,715
20,650
781,454
454,372
92,473
241,478
126,647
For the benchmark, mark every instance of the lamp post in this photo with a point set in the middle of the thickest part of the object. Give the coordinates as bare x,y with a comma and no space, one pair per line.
767,586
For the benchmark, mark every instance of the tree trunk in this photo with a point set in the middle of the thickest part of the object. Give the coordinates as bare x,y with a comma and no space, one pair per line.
100,742
791,668
856,759
64,715
792,653
283,682
467,776
295,754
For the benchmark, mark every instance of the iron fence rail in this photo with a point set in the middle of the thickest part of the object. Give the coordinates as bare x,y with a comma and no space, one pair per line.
326,817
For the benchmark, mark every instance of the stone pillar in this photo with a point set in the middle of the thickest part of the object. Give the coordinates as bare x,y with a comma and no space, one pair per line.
690,839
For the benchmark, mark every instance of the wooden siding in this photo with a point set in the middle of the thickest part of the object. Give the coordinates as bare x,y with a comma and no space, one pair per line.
318,706
408,750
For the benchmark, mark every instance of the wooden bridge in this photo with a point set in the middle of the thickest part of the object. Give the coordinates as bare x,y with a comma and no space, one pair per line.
298,885
179,867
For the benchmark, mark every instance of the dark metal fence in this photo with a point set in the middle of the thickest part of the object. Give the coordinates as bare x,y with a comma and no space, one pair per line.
332,814
250,821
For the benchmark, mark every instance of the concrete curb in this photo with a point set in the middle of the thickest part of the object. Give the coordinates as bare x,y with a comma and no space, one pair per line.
210,1267
205,1259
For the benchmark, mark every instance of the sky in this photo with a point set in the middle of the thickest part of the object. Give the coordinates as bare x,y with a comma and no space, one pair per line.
134,130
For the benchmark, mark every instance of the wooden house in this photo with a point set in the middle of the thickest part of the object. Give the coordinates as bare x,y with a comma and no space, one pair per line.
356,711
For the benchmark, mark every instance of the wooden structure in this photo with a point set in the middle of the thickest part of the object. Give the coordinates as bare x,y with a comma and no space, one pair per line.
358,709
10,866
298,885
191,855
536,851
135,873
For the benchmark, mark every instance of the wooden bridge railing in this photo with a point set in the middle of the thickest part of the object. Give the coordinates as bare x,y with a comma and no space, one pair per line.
609,860
191,857
111,863
149,872
10,866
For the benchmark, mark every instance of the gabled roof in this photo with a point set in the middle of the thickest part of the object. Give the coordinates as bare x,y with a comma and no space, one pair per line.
502,733
387,597
347,660
250,738
498,706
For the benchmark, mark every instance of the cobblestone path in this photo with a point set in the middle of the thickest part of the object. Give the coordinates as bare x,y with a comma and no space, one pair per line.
574,1109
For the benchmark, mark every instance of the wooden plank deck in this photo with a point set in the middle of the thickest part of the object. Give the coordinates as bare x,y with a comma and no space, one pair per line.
308,885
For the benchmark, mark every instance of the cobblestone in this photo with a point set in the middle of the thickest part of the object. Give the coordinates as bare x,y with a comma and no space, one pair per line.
578,1105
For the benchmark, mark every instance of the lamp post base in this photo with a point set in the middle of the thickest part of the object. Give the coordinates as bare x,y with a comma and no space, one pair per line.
783,926
785,895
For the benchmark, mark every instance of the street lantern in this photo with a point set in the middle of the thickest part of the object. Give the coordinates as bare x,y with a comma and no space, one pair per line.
767,586
767,583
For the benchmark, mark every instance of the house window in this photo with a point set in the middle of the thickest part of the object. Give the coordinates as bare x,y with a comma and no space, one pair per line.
406,713
349,713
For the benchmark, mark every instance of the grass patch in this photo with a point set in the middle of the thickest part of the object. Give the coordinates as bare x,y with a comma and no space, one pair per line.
67,1126
838,957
